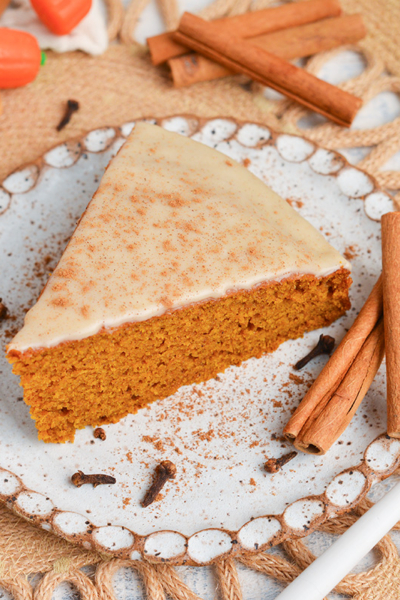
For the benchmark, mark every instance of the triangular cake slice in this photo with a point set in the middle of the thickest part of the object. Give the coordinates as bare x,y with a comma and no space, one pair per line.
183,263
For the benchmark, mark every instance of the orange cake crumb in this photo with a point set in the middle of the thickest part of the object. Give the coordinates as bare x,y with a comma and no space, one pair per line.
102,378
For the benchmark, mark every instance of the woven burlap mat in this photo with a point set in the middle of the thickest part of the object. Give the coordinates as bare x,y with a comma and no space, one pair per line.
121,86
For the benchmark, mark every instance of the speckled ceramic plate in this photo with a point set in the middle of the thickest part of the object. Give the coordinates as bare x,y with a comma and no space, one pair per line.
219,433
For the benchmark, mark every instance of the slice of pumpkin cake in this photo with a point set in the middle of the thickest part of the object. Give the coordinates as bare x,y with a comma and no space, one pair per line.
183,263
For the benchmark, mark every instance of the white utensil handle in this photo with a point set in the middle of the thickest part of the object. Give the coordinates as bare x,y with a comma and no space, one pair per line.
329,569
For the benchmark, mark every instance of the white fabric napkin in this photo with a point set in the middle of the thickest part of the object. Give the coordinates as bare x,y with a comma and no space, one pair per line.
90,35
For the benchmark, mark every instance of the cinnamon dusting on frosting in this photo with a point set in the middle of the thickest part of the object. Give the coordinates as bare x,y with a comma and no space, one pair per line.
60,301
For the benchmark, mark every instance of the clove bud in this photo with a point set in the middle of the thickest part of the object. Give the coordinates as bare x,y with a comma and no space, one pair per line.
80,478
325,345
72,106
273,465
164,471
3,310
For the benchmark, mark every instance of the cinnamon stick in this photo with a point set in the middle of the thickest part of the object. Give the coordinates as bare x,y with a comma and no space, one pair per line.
338,365
295,42
242,56
391,307
163,47
339,406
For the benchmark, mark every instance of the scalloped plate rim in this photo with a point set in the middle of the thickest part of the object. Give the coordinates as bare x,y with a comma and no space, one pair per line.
87,540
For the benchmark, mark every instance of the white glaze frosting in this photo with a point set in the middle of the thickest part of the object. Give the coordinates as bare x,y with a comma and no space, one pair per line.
173,222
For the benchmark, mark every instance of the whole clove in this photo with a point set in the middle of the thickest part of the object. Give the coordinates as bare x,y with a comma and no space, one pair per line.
72,106
99,433
80,478
3,310
164,471
325,345
273,465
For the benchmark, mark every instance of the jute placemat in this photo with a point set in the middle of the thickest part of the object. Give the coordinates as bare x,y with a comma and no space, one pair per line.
121,86
111,89
25,549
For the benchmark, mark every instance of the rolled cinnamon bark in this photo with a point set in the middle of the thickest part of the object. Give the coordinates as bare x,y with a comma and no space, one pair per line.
391,307
337,366
294,42
339,407
243,57
163,47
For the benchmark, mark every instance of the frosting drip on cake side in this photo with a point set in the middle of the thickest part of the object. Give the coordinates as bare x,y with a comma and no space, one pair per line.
172,223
